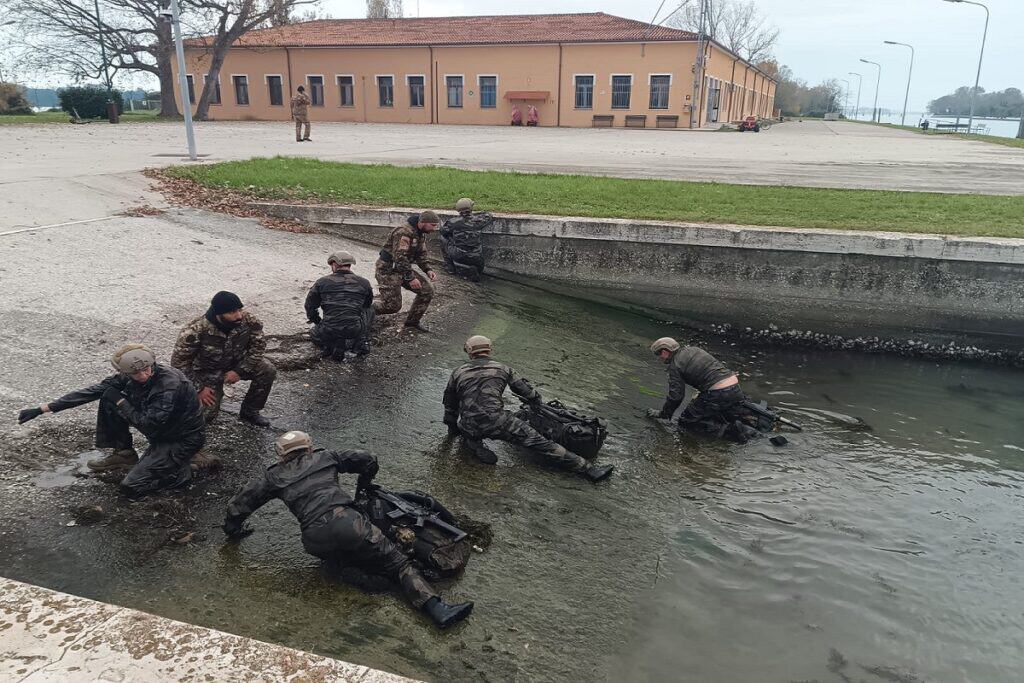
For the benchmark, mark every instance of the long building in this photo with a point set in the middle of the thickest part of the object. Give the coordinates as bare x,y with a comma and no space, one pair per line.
578,70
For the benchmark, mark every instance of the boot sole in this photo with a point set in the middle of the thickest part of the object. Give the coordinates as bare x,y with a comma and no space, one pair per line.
105,468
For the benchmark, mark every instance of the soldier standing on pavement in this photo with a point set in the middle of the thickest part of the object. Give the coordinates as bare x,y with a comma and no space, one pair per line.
157,400
306,480
300,112
221,347
405,246
347,303
473,407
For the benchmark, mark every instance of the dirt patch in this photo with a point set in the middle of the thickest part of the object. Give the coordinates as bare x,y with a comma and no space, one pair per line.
141,211
184,192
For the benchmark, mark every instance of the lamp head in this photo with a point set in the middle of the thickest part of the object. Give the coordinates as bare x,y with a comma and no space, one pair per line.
890,42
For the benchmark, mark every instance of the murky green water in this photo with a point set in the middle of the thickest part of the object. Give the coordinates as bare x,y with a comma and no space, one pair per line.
886,555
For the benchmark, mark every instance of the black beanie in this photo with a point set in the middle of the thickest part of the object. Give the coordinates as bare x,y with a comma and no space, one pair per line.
225,302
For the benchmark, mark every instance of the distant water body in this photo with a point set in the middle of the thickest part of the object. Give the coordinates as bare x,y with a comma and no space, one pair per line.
1004,128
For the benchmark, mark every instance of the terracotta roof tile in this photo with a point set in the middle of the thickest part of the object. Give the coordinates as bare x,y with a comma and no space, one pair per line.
594,27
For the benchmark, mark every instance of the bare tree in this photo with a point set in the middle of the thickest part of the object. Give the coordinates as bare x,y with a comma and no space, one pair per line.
737,24
63,36
384,9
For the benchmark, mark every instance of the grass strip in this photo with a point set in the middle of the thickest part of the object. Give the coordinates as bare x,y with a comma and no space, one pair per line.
287,178
62,117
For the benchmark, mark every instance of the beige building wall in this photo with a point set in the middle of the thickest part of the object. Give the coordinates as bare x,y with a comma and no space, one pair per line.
550,69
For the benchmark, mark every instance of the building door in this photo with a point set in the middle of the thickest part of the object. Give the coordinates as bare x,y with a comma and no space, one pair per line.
714,99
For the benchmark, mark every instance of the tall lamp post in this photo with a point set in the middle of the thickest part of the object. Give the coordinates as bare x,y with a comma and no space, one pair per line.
984,35
111,107
173,14
903,120
878,82
846,101
860,82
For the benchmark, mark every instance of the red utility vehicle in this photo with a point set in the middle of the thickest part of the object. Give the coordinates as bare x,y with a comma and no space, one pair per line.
750,123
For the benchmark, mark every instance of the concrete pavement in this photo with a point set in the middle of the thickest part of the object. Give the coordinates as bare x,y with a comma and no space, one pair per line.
53,173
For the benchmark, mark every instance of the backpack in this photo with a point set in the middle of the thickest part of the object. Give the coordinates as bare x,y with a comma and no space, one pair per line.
577,432
435,552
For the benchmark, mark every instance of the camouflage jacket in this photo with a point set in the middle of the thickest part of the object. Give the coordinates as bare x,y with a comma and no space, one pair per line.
406,245
300,106
474,391
204,353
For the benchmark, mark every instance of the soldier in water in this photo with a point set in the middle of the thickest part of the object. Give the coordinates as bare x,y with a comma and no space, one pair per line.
473,407
406,245
347,303
306,480
720,394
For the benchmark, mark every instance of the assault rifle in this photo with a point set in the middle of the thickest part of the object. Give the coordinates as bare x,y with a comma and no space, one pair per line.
418,514
763,412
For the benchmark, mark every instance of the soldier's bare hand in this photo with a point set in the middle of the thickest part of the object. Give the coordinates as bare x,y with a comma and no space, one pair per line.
230,377
207,396
431,275
415,285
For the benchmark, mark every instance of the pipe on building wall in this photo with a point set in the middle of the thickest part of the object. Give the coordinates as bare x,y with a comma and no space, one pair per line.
362,88
732,88
288,59
436,103
558,92
433,87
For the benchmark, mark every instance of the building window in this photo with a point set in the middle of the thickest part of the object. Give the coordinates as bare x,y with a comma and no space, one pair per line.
454,84
241,84
584,92
415,91
346,84
488,92
215,95
659,91
316,90
622,87
275,91
191,88
386,91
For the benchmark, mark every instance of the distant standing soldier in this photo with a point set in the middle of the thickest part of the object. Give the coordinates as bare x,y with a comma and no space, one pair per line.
157,400
300,112
221,347
473,407
405,246
347,303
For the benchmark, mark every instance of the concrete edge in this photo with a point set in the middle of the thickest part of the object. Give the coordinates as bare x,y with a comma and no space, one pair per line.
888,244
46,635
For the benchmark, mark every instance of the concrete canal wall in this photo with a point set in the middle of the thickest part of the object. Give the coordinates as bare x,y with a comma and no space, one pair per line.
896,289
50,636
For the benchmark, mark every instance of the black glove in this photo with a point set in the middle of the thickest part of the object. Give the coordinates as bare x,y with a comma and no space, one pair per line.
113,395
368,474
453,430
315,319
29,414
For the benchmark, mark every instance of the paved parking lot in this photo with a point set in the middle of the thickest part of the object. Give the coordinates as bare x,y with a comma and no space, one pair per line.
51,173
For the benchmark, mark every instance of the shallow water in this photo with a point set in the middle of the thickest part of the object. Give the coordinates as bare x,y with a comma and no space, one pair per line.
889,554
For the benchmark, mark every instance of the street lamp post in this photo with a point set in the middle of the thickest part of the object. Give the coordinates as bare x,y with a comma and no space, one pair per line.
977,78
860,82
846,100
878,82
111,110
910,72
173,15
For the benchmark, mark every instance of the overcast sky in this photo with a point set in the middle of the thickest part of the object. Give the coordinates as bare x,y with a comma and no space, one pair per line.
825,38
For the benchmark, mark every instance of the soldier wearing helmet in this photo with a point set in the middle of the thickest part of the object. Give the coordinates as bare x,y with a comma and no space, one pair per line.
306,480
461,245
720,394
347,303
406,245
473,407
155,399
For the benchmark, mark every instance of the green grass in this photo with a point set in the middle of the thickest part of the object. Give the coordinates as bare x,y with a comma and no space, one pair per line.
994,139
61,117
574,195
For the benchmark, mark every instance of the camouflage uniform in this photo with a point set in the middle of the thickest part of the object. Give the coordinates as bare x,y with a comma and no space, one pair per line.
332,529
472,401
204,352
300,112
405,246
712,408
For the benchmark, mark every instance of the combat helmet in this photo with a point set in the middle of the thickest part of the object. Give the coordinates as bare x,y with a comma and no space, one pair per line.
291,442
664,344
477,344
464,204
133,358
342,258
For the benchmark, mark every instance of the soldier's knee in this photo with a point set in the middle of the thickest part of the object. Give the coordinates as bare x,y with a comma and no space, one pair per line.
267,371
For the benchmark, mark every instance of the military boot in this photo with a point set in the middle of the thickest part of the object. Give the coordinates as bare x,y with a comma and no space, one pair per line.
254,418
482,452
202,462
418,326
119,458
443,614
595,473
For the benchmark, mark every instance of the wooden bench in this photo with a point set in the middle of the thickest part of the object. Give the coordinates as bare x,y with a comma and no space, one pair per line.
664,121
636,120
603,121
